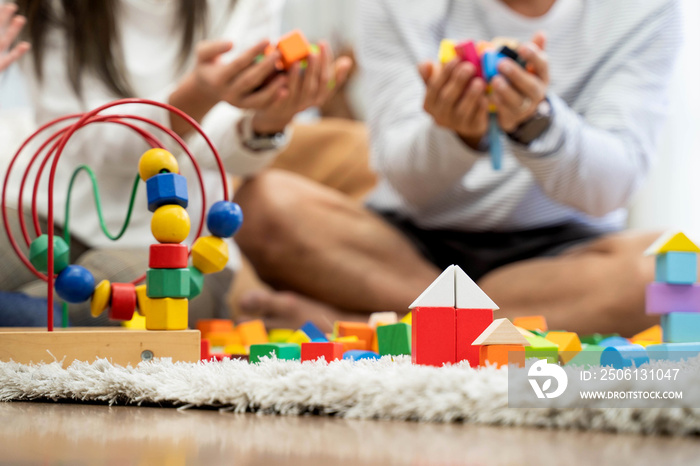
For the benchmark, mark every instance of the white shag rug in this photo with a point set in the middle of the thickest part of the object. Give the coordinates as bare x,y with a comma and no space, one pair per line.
382,389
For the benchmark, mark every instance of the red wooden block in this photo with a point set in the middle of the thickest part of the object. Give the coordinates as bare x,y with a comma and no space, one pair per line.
123,301
361,330
433,338
314,350
470,324
466,51
168,256
205,350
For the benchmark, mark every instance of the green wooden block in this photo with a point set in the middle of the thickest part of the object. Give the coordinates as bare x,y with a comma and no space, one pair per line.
394,339
196,282
542,348
39,257
588,356
596,338
168,283
288,351
539,333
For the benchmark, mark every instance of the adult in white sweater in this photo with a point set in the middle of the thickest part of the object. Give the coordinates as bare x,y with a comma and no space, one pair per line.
541,235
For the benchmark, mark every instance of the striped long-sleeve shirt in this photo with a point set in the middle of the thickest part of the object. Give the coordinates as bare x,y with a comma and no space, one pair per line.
610,61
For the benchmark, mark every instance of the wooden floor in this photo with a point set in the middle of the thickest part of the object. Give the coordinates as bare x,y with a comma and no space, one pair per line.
78,434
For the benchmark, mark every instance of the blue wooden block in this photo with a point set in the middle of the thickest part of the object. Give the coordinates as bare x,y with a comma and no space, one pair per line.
677,268
75,284
356,355
681,327
313,332
166,188
489,64
614,341
673,351
224,219
620,357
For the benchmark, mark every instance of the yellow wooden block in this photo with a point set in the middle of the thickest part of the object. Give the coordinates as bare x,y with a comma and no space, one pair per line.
141,298
447,51
298,337
646,343
170,224
407,319
166,314
654,333
568,342
209,254
252,332
100,298
279,335
155,161
347,338
235,349
138,322
672,241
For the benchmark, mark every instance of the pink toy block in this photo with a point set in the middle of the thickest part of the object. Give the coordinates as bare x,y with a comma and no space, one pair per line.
470,324
663,298
466,51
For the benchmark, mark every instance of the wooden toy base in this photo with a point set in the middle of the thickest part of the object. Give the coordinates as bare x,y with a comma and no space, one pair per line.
120,346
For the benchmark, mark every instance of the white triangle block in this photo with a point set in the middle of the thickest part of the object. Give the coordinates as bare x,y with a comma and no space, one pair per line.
440,293
468,295
501,332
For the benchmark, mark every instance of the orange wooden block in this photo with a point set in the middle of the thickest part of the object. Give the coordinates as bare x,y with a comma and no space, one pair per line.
206,326
293,47
361,330
353,345
252,332
499,355
531,323
224,338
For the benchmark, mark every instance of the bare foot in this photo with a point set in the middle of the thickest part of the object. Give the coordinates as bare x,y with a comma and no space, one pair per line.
286,309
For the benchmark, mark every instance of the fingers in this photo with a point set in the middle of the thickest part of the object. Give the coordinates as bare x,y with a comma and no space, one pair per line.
311,78
536,60
425,70
231,70
342,65
512,100
454,88
252,77
11,33
437,81
208,50
7,11
527,84
540,40
267,95
471,105
326,74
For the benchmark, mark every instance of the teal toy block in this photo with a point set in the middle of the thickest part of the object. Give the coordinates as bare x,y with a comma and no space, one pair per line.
394,339
613,341
287,351
589,356
677,268
541,348
673,351
168,283
196,282
620,357
681,327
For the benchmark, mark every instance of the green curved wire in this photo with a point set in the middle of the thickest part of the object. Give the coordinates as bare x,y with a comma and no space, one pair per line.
98,205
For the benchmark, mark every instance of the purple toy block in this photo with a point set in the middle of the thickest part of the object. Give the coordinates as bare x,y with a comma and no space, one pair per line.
663,298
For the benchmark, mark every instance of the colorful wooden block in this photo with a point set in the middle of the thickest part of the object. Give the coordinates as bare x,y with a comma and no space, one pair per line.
351,343
142,299
155,161
502,355
224,219
531,323
298,338
137,322
207,326
470,323
466,51
100,298
170,224
356,355
166,188
501,332
407,319
568,342
446,52
227,338
681,327
164,313
286,351
672,241
468,295
360,329
662,298
677,268
168,256
651,334
168,283
541,348
394,339
210,254
123,302
328,350
252,332
293,47
513,55
196,282
613,341
205,350
313,332
440,293
237,350
489,64
434,336
589,356
75,284
279,335
385,318
39,254
673,351
620,357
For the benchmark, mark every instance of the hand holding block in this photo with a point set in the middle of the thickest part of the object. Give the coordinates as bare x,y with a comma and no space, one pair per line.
168,283
170,224
155,161
209,254
330,351
39,254
123,301
293,47
168,256
287,351
166,188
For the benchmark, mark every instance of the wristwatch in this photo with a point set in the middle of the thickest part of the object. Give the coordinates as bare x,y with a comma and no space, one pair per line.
533,128
260,142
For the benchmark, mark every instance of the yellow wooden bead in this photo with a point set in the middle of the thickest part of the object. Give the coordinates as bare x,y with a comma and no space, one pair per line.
170,224
100,298
209,254
141,299
155,161
165,313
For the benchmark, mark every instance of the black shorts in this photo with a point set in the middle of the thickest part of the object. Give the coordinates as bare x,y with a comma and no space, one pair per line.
479,253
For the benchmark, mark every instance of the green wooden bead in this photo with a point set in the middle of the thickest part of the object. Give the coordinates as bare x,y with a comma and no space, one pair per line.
196,282
168,283
394,339
288,351
38,254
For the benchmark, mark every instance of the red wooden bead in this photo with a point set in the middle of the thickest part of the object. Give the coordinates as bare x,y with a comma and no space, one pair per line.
123,301
168,256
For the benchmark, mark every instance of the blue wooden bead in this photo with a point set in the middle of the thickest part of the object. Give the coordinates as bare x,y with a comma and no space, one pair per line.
166,188
75,284
224,219
356,355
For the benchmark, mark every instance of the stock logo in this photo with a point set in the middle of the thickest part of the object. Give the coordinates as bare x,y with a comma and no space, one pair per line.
545,372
